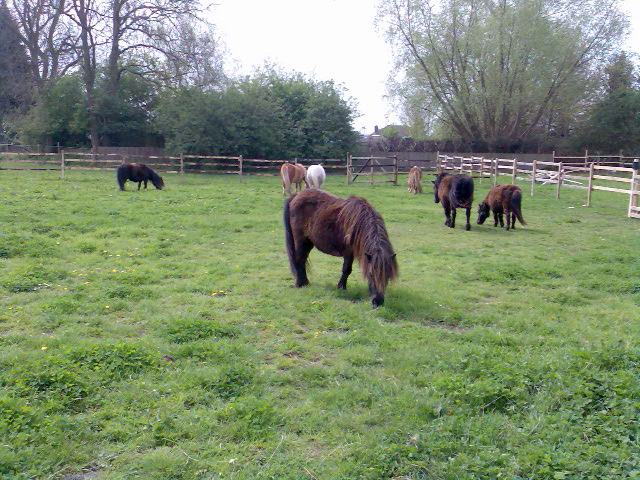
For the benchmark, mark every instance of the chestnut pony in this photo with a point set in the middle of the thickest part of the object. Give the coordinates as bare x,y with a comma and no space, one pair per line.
502,199
292,173
137,172
453,191
415,176
348,228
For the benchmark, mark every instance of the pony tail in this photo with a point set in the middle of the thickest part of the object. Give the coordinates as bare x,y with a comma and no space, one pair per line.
516,201
288,235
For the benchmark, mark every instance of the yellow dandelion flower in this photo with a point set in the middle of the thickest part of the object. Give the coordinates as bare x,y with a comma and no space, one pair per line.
43,348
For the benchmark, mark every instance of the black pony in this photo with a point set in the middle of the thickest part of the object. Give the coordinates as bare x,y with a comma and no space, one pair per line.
454,191
137,172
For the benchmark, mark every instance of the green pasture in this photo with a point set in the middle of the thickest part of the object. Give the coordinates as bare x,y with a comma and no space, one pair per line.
158,335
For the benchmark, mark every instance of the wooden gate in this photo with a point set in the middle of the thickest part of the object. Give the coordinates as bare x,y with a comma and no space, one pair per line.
371,167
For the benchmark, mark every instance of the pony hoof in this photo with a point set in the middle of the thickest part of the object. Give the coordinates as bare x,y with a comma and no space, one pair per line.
467,228
303,283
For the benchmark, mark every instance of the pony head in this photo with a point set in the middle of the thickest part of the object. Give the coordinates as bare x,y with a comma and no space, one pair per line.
156,180
483,212
436,185
379,268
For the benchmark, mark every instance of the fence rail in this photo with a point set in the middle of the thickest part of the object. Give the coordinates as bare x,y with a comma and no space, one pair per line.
568,175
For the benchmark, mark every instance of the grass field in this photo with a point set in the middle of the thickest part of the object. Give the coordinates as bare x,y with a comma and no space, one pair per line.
158,335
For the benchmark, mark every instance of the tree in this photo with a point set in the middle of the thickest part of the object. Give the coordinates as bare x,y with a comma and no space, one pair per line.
497,72
271,115
613,124
47,36
15,91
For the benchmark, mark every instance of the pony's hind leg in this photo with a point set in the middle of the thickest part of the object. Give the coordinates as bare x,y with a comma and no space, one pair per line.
347,265
467,227
447,214
452,221
300,263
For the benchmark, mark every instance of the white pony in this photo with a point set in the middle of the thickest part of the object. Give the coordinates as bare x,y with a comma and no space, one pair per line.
315,176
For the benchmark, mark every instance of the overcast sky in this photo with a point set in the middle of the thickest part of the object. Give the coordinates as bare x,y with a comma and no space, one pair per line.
327,39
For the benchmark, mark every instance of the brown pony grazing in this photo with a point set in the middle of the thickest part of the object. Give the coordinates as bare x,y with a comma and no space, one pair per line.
415,176
137,172
348,228
502,199
454,191
292,173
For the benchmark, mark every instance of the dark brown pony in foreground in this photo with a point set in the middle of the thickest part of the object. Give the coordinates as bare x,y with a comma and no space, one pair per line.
292,174
454,191
415,176
138,172
348,228
502,199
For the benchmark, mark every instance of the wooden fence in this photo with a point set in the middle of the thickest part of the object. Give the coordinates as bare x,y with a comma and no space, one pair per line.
562,174
69,160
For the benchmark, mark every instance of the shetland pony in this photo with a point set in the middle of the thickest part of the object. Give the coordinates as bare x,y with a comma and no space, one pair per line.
315,176
453,191
502,199
415,176
292,173
348,228
137,172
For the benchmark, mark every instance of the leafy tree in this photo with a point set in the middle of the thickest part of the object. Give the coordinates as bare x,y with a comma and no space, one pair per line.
614,122
271,115
15,91
498,72
60,116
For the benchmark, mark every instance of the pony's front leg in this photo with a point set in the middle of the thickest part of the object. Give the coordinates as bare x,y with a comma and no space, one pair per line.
452,223
496,219
347,265
467,227
139,184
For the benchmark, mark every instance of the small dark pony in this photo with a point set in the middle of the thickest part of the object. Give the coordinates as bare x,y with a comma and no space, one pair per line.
453,191
137,172
502,199
348,228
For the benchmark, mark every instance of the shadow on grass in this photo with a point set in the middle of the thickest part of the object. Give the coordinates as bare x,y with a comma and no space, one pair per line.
402,304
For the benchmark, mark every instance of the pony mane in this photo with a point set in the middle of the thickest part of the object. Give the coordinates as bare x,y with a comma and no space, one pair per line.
364,229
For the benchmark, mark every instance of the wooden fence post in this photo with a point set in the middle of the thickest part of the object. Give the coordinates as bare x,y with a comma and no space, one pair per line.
494,164
182,163
533,175
240,165
559,180
395,170
590,188
62,164
348,168
371,165
515,170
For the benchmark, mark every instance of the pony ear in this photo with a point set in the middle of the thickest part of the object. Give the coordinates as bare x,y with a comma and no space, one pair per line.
393,256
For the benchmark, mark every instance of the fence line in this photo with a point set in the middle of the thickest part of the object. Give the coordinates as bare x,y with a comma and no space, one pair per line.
236,165
568,175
